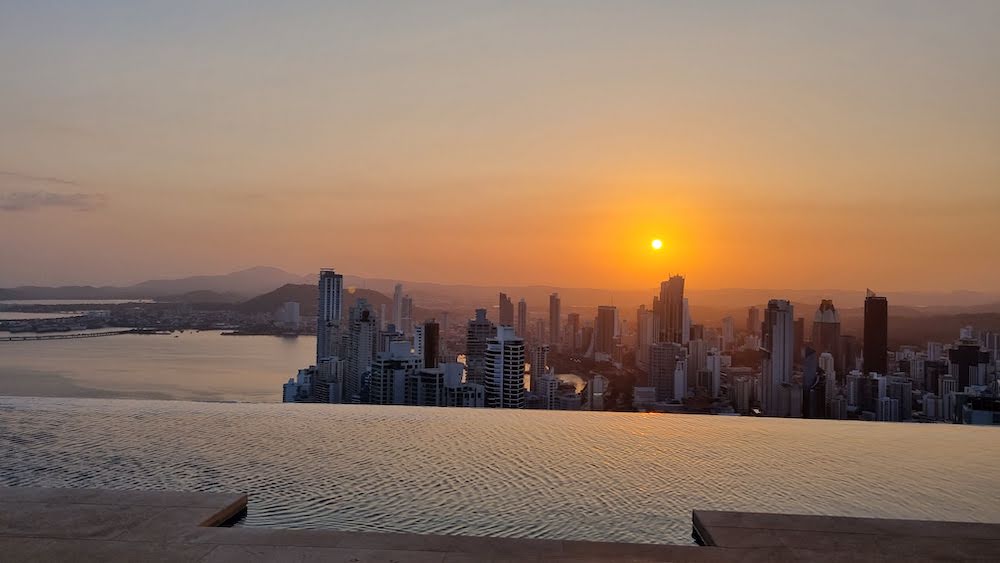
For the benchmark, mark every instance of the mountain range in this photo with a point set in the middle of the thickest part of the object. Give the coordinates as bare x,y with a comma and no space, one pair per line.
246,284
224,288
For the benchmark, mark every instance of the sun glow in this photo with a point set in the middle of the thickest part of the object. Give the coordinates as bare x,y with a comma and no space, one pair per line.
657,244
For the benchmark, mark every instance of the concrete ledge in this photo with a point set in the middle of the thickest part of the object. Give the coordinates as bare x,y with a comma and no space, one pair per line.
103,525
849,537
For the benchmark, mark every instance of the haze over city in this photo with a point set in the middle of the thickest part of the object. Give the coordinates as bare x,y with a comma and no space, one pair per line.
768,145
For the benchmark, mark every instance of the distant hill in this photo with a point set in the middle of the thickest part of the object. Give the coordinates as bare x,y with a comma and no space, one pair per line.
307,296
204,296
232,287
65,292
252,281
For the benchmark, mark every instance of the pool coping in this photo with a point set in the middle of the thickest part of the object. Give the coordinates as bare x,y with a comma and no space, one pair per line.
45,524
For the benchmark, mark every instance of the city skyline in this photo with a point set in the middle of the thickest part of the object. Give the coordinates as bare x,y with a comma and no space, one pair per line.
746,138
566,279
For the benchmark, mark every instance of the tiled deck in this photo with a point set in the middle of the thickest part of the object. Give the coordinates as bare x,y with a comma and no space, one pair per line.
104,525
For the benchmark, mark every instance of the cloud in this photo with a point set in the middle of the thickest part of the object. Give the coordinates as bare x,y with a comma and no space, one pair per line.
36,179
39,199
28,192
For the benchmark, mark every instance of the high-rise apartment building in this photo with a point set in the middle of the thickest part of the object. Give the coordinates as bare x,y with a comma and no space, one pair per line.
686,326
506,310
777,343
361,349
504,377
328,314
522,318
663,361
427,342
406,322
389,370
539,365
798,339
597,388
671,311
697,358
604,333
827,369
753,320
573,331
826,331
397,306
479,330
813,387
876,343
647,333
713,365
554,315
968,363
728,333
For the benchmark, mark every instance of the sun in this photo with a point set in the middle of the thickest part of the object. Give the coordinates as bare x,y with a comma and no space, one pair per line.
657,244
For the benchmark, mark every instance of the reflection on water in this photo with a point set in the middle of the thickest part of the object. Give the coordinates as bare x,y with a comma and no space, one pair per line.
189,365
598,476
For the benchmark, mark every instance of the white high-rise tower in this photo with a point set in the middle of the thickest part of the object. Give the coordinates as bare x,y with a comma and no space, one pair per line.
331,289
504,379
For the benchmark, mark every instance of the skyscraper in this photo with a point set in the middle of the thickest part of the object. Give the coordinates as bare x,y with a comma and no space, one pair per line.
967,363
522,318
480,329
728,333
753,320
686,325
504,378
361,349
506,310
826,331
554,306
331,289
827,368
431,349
813,387
876,344
387,383
647,333
397,306
671,311
573,330
604,333
406,322
697,359
777,343
539,365
663,361
799,337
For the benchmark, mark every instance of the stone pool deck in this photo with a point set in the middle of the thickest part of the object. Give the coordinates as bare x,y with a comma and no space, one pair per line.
106,525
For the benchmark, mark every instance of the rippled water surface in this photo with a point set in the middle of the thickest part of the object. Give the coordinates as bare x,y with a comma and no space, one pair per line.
598,476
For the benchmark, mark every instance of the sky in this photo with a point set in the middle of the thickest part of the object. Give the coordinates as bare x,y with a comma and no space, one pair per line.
768,144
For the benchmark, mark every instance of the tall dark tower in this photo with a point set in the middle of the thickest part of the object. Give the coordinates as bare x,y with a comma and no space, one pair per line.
432,343
671,311
506,310
799,332
876,345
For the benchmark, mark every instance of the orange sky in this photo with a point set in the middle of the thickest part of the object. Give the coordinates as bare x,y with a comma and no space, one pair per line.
786,145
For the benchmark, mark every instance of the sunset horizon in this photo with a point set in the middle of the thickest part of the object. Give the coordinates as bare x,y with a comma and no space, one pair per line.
778,145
